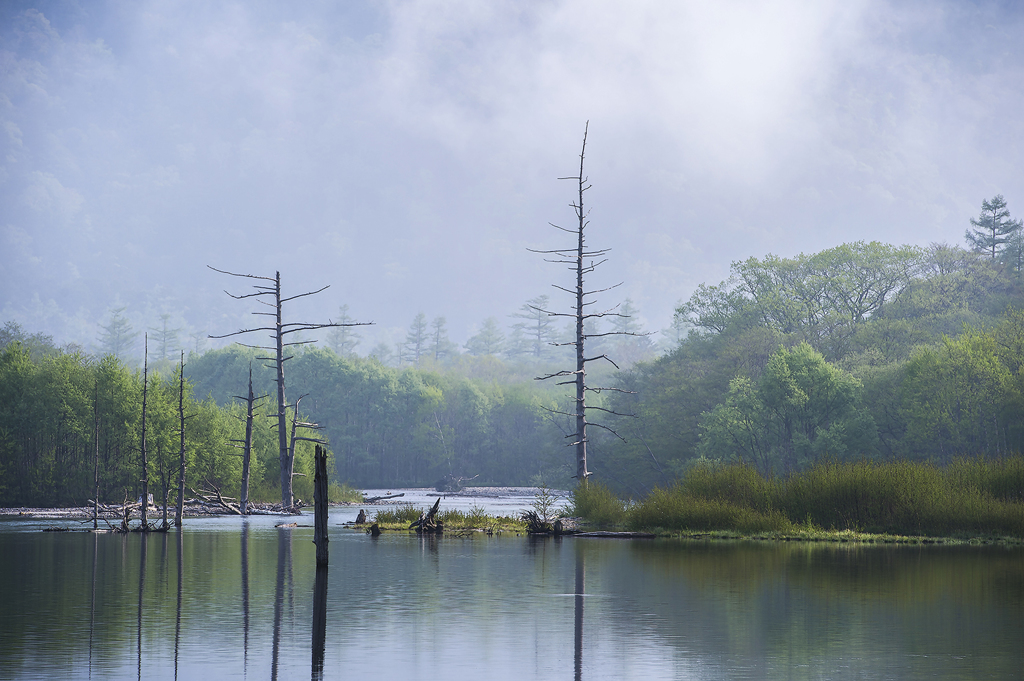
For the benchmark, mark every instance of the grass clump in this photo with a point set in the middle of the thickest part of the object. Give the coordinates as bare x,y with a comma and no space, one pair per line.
968,498
400,516
397,514
597,504
342,493
678,509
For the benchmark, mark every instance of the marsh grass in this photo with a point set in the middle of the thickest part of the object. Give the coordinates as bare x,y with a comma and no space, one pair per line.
476,518
343,493
399,513
970,497
597,504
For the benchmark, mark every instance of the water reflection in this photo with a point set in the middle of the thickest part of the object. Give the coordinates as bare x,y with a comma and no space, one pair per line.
142,588
245,596
581,583
284,569
502,608
177,615
92,595
319,622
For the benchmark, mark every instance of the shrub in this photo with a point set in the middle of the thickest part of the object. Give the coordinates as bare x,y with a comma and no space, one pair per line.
595,503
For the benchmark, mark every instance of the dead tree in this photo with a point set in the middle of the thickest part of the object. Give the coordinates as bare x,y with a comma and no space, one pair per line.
181,451
246,444
96,456
582,260
278,331
145,462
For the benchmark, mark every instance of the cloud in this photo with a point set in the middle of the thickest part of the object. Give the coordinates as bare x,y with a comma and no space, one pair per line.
408,151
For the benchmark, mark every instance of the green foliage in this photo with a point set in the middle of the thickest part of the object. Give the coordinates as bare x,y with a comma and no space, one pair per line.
800,410
597,504
676,510
399,513
339,494
968,498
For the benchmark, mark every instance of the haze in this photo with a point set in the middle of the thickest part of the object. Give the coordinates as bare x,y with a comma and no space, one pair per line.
406,153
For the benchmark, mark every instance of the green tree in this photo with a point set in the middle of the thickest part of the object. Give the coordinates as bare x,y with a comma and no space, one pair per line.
489,341
344,339
538,327
165,339
117,337
960,400
417,337
993,228
801,410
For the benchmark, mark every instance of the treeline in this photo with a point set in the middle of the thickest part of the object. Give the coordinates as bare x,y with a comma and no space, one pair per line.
861,351
391,427
58,407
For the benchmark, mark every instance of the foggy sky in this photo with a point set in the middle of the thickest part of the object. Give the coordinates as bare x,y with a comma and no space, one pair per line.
406,153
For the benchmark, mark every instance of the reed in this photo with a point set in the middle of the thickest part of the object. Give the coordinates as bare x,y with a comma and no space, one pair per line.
597,504
969,497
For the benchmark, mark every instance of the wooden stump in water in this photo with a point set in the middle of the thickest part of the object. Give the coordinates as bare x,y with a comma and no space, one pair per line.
320,505
428,524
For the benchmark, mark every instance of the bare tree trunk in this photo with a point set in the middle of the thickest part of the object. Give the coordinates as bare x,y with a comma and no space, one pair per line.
581,364
247,448
96,457
320,506
582,261
181,451
287,461
145,461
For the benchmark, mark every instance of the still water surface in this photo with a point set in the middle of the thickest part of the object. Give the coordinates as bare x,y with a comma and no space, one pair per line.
234,598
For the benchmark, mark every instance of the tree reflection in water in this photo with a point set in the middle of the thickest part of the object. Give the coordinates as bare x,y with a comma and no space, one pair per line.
581,579
143,540
177,617
245,595
319,622
284,573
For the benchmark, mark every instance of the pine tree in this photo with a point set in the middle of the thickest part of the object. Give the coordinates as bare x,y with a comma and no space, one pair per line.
416,338
489,341
117,338
343,339
993,228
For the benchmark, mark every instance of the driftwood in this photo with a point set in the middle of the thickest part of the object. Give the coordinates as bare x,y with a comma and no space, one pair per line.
215,498
428,522
370,500
535,524
618,535
451,483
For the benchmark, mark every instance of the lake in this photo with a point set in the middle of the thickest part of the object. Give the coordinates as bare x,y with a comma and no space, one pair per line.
241,598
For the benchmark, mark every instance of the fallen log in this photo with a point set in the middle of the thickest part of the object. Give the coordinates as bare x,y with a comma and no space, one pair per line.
370,500
617,535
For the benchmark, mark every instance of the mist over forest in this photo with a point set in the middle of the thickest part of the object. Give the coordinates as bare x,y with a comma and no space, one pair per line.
407,153
811,216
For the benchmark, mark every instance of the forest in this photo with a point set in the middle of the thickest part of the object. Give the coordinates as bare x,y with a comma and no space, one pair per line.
865,351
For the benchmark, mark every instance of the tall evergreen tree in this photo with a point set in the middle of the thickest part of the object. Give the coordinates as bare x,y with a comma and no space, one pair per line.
489,341
166,338
117,337
441,345
993,229
344,339
416,339
538,328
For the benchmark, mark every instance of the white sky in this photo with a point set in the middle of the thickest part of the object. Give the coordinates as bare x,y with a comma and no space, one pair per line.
407,152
